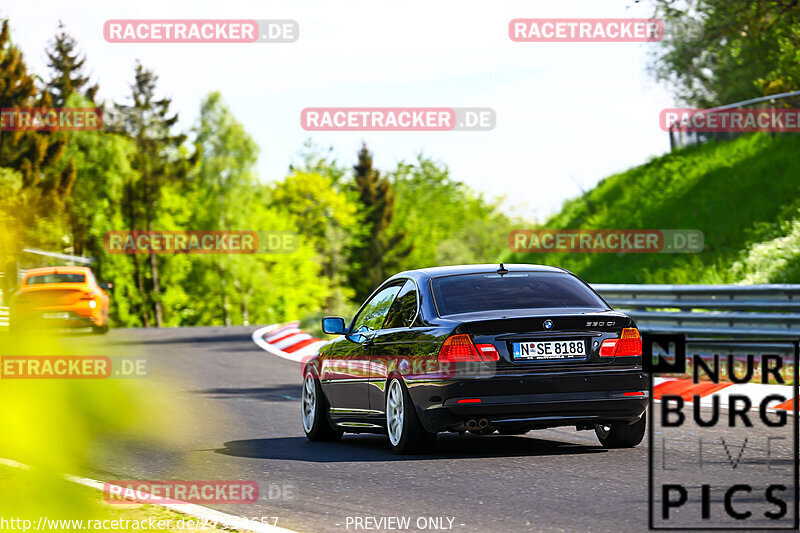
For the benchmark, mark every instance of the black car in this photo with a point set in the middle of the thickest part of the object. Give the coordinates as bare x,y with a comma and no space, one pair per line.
478,348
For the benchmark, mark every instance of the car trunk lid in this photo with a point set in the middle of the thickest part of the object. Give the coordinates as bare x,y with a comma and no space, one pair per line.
547,338
55,295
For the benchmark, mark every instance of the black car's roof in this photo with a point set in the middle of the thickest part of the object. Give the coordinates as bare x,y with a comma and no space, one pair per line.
436,272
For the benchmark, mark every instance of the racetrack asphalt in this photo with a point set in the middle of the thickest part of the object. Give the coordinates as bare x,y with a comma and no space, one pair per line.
237,412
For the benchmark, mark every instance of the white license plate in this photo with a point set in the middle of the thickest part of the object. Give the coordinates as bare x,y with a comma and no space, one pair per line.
61,316
572,349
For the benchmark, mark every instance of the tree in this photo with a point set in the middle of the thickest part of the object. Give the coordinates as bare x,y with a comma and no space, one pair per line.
447,222
96,206
383,250
222,185
161,160
317,160
35,181
328,219
34,154
745,49
67,72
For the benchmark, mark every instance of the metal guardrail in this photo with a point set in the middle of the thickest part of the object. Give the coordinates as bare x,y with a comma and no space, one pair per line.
680,139
766,311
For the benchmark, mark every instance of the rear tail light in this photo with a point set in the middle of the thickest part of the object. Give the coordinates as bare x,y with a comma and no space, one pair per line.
608,348
629,344
458,349
87,296
488,352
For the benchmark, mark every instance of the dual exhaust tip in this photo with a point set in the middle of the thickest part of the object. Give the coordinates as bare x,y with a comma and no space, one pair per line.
474,424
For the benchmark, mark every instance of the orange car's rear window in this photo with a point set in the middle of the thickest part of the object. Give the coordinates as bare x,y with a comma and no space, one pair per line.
55,278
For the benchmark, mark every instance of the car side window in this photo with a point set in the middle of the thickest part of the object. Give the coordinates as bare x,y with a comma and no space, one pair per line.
404,308
373,315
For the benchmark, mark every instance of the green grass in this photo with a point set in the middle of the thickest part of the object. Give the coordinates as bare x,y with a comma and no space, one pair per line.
742,194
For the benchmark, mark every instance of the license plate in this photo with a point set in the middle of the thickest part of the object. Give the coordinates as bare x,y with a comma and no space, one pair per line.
61,316
573,349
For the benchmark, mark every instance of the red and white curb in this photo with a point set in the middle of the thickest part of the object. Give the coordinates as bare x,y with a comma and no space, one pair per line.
224,520
287,341
687,389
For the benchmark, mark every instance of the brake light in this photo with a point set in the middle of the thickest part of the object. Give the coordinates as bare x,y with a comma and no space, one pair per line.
628,345
469,400
637,393
488,352
458,349
87,296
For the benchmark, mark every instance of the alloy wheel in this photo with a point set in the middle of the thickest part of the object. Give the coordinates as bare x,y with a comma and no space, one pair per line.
395,412
309,400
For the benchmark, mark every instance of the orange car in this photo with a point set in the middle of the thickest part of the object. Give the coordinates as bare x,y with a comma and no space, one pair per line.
61,296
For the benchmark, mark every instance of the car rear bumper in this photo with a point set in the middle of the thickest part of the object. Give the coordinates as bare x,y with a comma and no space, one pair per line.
572,398
60,317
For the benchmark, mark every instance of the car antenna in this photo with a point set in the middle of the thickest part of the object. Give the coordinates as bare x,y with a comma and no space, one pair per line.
502,270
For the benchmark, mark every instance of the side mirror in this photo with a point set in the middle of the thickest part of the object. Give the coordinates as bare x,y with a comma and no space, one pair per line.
106,286
333,325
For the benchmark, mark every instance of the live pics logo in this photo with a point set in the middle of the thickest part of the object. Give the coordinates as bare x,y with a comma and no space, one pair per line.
723,434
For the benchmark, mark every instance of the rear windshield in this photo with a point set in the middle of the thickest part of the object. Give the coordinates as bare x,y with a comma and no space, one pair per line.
55,278
471,293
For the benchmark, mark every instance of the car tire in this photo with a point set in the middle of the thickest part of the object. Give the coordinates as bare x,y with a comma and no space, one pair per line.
404,429
620,434
314,412
100,330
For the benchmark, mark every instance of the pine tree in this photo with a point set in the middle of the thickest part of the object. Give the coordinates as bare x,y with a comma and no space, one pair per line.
36,157
382,251
160,162
34,154
67,74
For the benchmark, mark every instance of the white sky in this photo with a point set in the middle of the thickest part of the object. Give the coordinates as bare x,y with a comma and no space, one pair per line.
566,112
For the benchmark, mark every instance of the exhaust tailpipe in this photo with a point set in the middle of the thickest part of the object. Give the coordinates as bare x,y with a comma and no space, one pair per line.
471,424
483,423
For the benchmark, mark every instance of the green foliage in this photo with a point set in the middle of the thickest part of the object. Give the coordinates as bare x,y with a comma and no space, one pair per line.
66,426
385,248
328,219
741,49
776,260
162,163
447,222
736,193
35,179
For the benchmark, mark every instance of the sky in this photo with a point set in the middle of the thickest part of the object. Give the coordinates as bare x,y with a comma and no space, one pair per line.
568,114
